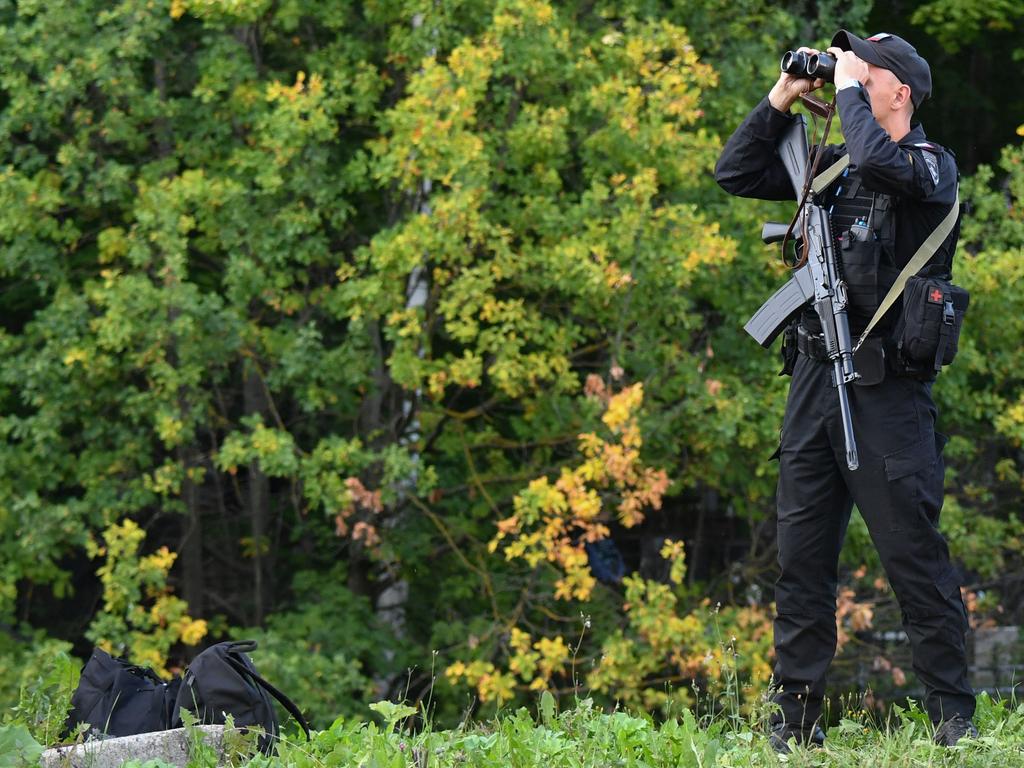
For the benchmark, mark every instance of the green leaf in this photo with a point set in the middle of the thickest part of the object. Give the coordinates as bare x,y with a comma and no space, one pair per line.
17,747
547,708
392,712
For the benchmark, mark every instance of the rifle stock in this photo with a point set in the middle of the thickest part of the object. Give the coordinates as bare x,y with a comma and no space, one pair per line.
793,151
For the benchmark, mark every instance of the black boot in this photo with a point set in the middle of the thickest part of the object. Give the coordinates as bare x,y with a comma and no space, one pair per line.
783,732
951,731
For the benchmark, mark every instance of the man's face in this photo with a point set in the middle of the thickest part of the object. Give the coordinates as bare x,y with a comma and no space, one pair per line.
883,89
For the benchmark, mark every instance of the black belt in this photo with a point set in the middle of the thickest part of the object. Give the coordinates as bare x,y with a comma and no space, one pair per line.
811,344
870,360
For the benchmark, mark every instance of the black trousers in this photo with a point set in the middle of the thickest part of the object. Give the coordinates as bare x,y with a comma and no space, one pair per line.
898,490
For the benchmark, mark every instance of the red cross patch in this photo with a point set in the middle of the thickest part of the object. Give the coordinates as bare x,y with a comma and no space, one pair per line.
935,296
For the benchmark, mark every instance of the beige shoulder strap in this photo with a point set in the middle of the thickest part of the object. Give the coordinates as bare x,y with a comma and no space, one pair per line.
830,174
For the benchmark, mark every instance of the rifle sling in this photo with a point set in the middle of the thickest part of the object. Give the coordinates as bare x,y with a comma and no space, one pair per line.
807,186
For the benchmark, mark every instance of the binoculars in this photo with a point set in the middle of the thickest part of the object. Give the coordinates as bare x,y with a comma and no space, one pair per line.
810,65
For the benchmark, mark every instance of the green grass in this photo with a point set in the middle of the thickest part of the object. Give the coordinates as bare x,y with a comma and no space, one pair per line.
587,737
584,737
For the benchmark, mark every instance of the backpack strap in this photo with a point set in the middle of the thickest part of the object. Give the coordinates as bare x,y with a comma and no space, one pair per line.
925,251
285,702
240,646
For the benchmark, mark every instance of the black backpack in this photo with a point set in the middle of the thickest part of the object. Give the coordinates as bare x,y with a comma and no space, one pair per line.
222,680
118,698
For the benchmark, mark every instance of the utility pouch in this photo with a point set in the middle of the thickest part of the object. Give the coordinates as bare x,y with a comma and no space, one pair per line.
869,362
860,270
789,350
927,333
868,273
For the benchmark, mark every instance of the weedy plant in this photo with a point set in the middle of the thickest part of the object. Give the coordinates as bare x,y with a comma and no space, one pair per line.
45,684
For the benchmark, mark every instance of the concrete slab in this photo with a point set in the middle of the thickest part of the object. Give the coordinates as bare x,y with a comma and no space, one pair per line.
998,657
170,747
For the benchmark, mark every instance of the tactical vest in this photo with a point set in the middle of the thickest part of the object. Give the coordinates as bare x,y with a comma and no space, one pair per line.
864,235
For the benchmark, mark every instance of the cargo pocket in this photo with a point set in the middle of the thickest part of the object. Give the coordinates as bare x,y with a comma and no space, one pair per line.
948,584
906,470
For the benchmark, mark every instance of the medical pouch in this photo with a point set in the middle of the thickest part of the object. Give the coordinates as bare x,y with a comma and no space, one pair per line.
927,333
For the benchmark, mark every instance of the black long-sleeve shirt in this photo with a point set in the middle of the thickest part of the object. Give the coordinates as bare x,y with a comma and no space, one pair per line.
920,176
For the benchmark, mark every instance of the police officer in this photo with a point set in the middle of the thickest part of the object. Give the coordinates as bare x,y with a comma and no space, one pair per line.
896,190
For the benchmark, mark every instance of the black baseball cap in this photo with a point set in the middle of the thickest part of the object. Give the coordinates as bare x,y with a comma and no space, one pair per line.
892,53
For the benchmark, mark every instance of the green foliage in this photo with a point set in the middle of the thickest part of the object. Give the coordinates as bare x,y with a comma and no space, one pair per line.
225,206
17,747
37,679
982,396
392,713
583,736
322,289
201,752
960,23
141,619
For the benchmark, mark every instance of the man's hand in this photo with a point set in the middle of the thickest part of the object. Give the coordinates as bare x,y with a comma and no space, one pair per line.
849,67
790,88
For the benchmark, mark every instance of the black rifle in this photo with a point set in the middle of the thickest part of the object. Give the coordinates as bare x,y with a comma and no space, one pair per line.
819,280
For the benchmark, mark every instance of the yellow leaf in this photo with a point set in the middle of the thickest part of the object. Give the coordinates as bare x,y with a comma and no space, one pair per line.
75,356
193,631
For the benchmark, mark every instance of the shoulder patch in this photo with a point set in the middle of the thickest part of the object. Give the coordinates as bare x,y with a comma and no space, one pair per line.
929,146
933,166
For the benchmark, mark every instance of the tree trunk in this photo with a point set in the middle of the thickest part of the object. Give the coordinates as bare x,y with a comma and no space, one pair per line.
191,552
187,456
258,496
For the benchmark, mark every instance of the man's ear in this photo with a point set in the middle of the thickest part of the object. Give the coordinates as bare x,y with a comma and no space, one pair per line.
901,98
